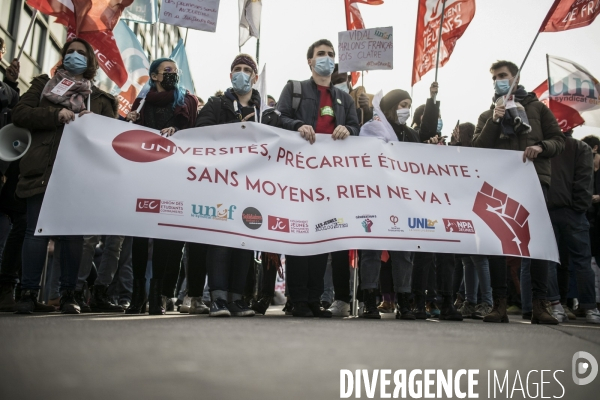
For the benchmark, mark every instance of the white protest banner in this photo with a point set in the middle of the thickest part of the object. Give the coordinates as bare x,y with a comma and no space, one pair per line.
195,14
366,49
253,186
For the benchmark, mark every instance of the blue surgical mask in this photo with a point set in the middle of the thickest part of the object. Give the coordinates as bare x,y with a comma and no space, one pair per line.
501,86
75,63
440,125
324,66
241,82
343,87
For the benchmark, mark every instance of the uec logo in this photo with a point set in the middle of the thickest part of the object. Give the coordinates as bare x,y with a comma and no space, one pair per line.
143,146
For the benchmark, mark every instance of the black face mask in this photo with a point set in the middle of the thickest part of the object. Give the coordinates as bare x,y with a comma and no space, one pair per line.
170,80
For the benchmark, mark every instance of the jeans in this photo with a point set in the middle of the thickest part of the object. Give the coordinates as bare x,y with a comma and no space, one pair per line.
526,297
227,270
444,263
477,272
35,249
52,290
538,273
327,295
13,249
121,285
573,229
401,270
304,276
110,259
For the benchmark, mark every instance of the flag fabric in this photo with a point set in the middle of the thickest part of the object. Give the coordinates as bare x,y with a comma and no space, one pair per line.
458,14
570,14
572,93
261,87
98,15
250,11
185,76
137,66
354,21
104,43
141,11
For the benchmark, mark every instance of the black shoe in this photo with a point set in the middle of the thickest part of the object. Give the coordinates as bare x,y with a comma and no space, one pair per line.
288,309
138,297
448,312
100,302
239,308
7,299
302,310
80,299
124,303
527,315
26,303
419,310
218,308
155,299
319,311
170,306
325,305
370,298
261,305
68,304
403,307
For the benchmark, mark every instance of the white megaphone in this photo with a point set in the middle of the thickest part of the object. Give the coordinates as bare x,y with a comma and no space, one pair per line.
14,142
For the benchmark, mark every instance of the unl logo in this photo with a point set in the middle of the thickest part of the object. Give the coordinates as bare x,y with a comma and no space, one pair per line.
506,218
148,205
458,226
143,146
279,224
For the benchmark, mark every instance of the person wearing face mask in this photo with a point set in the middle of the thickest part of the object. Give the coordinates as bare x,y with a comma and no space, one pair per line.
320,107
502,128
45,109
343,81
228,267
427,119
168,108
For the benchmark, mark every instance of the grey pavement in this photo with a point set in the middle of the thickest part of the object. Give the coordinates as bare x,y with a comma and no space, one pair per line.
178,356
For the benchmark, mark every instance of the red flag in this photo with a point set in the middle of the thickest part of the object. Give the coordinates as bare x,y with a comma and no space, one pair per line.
567,117
104,44
570,14
98,15
457,17
354,21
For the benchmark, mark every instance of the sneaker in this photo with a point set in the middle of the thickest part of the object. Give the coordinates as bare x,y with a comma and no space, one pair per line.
318,311
433,310
569,312
218,308
340,308
580,312
592,316
467,310
481,310
197,306
302,310
459,301
7,299
558,312
325,305
386,307
288,309
184,308
238,308
513,310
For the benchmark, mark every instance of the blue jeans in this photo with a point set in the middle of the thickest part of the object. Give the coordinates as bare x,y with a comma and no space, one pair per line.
573,228
477,272
402,269
35,249
122,282
110,259
227,269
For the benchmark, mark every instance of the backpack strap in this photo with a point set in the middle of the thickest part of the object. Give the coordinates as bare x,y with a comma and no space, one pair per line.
296,94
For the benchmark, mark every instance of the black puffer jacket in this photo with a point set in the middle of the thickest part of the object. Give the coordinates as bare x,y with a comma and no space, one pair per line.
221,110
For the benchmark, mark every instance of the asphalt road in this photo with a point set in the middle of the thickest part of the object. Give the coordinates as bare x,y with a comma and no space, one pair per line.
103,356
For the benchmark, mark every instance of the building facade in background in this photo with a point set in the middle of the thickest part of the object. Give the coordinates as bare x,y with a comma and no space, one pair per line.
42,50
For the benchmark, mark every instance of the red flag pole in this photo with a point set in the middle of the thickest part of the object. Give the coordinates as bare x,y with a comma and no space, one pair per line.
33,17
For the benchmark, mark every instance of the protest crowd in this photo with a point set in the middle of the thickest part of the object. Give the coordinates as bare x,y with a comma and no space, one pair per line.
138,275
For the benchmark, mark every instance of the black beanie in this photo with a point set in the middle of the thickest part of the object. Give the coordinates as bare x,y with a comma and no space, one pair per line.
392,99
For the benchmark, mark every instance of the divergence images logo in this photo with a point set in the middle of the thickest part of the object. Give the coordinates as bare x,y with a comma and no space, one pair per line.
394,220
507,218
252,218
422,224
458,226
218,213
334,223
367,222
156,206
580,367
287,225
142,146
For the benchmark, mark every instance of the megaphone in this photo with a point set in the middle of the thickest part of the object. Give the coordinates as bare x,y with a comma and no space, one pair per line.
14,142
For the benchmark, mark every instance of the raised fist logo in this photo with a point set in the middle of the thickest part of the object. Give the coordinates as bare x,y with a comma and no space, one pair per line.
506,218
367,224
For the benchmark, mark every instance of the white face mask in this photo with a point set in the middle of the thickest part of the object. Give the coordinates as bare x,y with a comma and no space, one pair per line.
343,87
403,115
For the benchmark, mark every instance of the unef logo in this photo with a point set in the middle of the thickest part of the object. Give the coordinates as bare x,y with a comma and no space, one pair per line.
279,224
148,205
143,146
218,213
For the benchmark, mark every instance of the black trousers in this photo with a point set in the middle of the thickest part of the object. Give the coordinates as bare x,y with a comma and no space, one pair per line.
539,277
444,265
166,262
305,277
196,273
340,271
139,257
10,270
